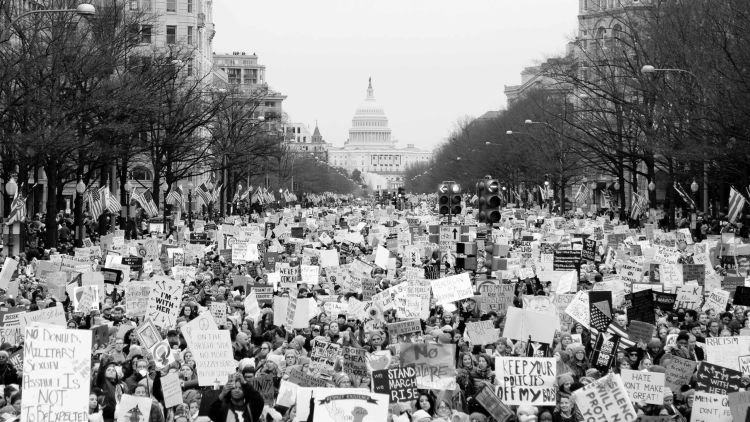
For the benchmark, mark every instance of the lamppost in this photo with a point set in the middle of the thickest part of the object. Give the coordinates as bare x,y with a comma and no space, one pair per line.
650,69
83,9
80,189
128,190
190,187
11,188
694,188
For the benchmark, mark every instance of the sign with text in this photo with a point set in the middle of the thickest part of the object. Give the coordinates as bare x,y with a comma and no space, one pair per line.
435,364
647,387
400,384
452,288
605,399
529,381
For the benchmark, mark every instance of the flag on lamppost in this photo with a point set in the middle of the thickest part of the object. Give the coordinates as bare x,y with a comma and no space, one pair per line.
216,194
17,207
204,194
176,197
113,205
736,204
96,205
684,195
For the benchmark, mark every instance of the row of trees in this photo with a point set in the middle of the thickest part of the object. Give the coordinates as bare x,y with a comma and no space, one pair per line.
602,113
83,98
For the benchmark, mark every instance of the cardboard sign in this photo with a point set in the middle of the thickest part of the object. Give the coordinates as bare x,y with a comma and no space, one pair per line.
641,332
647,387
605,399
724,351
717,300
49,352
492,404
708,407
689,296
324,356
354,361
214,357
678,372
495,297
435,364
482,332
526,380
264,385
717,379
520,324
164,303
400,384
452,288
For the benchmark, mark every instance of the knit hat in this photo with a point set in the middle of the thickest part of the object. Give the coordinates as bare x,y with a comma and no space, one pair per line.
476,416
564,379
445,338
658,368
586,380
419,415
654,342
340,377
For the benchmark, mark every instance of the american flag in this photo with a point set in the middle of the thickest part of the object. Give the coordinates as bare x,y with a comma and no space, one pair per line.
542,192
204,194
149,205
683,194
216,194
113,205
615,329
96,206
176,197
17,207
736,204
580,200
638,204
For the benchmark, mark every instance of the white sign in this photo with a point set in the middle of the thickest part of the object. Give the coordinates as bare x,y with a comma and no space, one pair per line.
164,303
644,387
452,288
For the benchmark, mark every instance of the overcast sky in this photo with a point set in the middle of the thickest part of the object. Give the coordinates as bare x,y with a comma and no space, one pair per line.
432,62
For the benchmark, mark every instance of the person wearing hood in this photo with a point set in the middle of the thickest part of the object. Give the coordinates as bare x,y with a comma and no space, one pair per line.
654,350
577,362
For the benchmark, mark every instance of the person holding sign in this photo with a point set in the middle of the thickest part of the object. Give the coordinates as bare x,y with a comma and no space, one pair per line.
237,402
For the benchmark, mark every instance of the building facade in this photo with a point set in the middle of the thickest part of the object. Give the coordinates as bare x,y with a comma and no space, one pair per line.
299,140
371,149
247,77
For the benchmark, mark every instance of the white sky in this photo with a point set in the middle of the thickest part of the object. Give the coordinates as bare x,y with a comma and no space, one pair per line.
432,61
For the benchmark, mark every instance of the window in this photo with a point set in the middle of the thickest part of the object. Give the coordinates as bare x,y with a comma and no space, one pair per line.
133,4
171,34
141,173
145,34
190,35
190,67
190,6
171,5
146,4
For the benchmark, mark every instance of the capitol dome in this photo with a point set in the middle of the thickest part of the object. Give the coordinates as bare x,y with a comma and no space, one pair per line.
370,124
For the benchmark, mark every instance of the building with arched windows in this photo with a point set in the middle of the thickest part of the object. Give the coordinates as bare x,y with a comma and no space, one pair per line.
371,149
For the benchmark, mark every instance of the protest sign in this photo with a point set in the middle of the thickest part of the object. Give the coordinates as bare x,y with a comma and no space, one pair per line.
647,387
400,384
717,301
50,351
349,404
641,307
148,334
452,288
566,260
435,364
482,332
51,316
689,296
9,267
354,361
323,357
717,379
741,296
528,381
213,355
739,403
708,407
172,390
310,274
264,385
664,301
605,351
164,302
640,331
605,399
578,309
302,378
521,324
289,275
219,313
405,331
495,297
723,351
492,404
136,298
132,408
203,322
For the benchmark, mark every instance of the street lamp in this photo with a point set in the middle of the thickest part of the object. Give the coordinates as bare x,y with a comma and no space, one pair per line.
11,188
78,217
190,187
652,186
649,69
83,9
128,190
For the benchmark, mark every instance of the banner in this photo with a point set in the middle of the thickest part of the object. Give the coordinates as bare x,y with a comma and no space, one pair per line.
48,353
349,404
529,381
435,364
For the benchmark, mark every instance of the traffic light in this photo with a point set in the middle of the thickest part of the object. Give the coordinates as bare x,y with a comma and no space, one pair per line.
455,199
489,200
444,199
449,198
401,197
377,196
394,199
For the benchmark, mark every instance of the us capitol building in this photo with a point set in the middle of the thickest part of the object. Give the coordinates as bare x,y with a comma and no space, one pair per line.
371,150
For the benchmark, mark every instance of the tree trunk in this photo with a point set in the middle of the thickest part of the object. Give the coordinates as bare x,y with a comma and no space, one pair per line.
51,221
